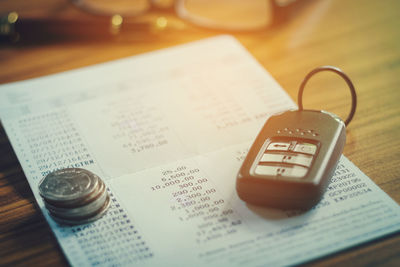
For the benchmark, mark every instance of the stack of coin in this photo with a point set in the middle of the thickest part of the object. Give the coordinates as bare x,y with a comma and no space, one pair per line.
74,196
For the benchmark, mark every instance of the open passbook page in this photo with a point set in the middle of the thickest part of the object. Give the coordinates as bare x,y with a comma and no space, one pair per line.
167,131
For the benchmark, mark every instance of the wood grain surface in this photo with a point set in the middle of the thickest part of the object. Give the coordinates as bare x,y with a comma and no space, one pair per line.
362,37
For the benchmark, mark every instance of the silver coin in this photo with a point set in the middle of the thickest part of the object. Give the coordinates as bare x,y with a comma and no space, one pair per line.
84,220
68,184
88,209
74,203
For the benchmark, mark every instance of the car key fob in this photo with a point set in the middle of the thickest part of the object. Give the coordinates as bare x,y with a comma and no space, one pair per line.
292,160
294,156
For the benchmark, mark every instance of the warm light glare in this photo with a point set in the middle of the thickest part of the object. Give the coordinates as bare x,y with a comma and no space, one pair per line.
12,17
161,22
116,21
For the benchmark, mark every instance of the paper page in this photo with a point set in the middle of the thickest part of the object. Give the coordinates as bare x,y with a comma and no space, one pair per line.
167,131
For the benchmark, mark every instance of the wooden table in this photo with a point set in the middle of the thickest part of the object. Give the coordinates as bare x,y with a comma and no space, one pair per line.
361,37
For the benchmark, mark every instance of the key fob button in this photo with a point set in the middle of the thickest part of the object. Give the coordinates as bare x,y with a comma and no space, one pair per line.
298,159
295,171
270,157
266,170
287,158
287,171
305,148
280,146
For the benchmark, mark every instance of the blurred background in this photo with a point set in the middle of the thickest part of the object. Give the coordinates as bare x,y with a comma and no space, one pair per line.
288,37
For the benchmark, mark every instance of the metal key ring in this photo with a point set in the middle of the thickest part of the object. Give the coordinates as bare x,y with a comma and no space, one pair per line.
344,76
